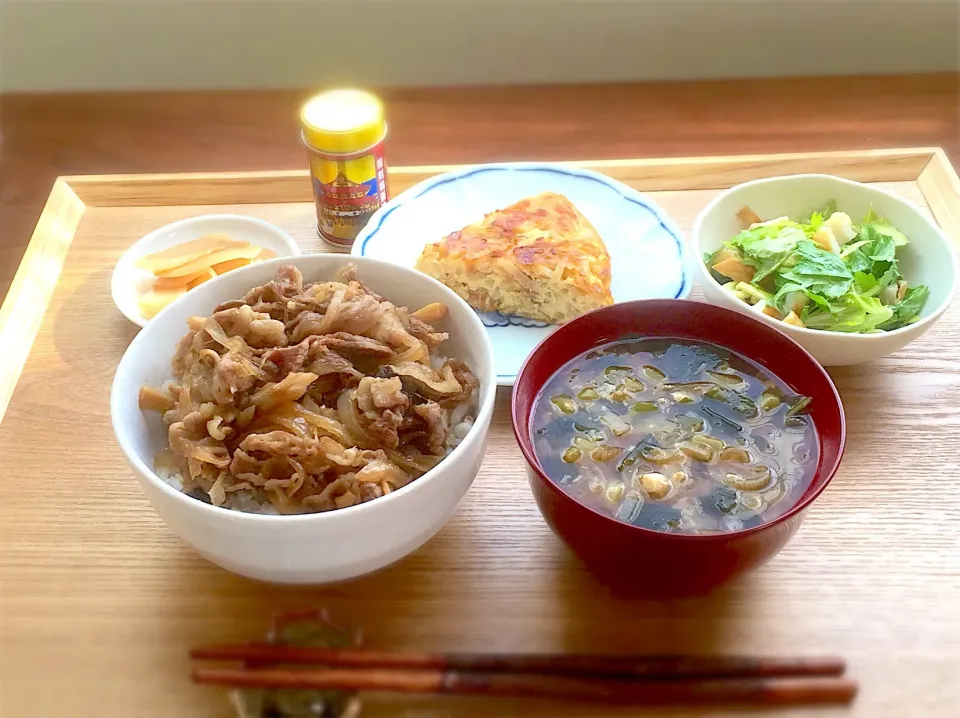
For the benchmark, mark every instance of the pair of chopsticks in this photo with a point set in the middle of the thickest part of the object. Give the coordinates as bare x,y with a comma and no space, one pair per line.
634,680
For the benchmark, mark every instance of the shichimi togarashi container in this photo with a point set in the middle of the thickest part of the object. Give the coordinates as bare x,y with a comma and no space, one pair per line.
344,132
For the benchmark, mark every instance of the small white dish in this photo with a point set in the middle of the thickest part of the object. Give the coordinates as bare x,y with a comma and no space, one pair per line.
129,282
649,256
303,548
929,258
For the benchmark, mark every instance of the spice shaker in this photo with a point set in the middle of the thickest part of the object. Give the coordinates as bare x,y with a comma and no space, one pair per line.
344,131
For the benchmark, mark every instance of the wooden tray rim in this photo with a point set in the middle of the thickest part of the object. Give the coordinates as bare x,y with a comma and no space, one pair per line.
33,285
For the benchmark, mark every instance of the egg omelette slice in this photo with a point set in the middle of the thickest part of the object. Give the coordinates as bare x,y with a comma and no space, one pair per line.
538,258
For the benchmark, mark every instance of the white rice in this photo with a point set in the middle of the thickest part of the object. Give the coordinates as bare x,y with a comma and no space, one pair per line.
172,478
237,500
244,501
461,421
461,430
459,413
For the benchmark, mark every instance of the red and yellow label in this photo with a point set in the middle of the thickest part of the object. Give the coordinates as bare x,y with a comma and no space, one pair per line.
347,191
344,132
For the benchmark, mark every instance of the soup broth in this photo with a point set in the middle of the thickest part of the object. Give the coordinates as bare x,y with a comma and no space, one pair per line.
675,435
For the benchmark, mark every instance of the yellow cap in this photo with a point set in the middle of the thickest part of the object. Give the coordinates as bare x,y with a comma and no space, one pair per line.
343,121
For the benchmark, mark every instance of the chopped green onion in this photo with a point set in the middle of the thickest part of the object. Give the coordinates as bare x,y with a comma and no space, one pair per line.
653,372
632,384
564,403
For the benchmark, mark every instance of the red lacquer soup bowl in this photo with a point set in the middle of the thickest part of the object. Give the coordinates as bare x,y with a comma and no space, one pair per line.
645,560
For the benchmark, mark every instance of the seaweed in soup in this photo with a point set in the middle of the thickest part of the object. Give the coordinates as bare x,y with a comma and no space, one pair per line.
675,435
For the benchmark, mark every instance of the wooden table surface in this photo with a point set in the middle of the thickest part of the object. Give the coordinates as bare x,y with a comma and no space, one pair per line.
99,602
92,571
44,136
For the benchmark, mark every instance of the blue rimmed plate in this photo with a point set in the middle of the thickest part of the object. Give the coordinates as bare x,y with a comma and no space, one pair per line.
649,255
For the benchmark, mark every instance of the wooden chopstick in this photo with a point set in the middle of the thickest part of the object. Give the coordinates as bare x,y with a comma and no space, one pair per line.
646,667
766,691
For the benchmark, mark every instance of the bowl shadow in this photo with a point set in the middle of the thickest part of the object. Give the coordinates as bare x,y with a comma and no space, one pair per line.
74,332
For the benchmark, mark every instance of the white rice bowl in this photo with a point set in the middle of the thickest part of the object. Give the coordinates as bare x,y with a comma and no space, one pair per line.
318,547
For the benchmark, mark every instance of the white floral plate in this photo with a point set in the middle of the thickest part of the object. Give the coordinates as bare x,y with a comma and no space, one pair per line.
649,255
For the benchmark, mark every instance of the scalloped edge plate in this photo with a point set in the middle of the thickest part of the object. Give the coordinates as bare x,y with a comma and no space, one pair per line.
642,239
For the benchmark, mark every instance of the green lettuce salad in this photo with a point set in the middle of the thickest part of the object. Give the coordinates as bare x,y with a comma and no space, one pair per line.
821,272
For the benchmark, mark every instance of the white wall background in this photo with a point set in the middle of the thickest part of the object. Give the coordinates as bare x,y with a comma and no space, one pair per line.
204,44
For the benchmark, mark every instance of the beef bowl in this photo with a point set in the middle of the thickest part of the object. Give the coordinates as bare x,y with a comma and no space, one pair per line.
307,419
674,445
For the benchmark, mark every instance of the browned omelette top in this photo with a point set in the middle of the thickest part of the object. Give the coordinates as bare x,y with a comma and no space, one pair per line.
546,231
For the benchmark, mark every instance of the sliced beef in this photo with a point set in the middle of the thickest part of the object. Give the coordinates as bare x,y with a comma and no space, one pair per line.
425,333
434,416
354,345
308,397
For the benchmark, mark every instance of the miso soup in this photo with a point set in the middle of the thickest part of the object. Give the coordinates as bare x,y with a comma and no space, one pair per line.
675,435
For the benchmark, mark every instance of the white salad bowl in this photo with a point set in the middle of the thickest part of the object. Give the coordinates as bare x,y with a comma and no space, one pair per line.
928,259
306,548
129,282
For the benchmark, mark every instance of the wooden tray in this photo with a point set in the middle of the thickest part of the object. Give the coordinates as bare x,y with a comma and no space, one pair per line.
99,603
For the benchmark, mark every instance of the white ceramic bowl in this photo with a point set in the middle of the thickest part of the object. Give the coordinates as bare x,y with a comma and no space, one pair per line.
309,548
129,282
929,259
